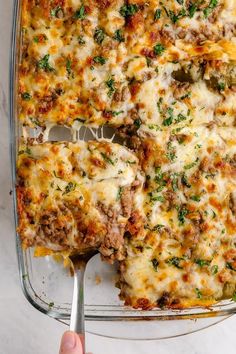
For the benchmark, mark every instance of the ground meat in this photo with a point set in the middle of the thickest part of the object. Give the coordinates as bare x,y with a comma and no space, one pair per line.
54,226
121,95
126,201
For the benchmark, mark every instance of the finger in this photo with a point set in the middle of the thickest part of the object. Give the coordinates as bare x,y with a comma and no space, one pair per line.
71,344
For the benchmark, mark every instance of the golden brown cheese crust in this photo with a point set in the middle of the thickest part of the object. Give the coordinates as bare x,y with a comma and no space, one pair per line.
97,62
73,197
184,252
162,73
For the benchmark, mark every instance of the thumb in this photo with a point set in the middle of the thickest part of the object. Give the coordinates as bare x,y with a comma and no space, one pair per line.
71,343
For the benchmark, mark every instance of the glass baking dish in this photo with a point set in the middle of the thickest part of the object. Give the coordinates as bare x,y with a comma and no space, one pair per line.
49,287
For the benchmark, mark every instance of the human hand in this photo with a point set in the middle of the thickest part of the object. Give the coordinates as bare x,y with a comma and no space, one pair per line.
71,343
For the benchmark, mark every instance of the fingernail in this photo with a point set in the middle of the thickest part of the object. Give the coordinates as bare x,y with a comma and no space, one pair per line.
68,341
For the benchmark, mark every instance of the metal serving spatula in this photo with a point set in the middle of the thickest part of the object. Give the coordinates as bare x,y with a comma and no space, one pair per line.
77,311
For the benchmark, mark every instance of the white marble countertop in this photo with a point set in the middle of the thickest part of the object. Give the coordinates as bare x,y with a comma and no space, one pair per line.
23,330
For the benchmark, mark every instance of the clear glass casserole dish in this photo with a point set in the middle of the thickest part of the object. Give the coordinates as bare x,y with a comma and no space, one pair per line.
48,287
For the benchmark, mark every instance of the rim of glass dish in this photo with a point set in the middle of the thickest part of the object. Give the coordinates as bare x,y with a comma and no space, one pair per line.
34,299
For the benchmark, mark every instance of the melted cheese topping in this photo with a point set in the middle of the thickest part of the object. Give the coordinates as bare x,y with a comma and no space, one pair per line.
75,196
162,73
183,253
106,62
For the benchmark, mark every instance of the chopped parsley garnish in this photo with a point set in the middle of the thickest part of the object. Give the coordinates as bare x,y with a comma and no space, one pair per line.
81,40
26,151
114,113
192,9
157,14
158,227
187,95
80,14
199,294
185,181
175,261
111,85
214,269
195,198
202,262
155,264
180,118
107,158
99,60
208,10
191,165
118,36
70,188
158,49
51,304
171,155
120,190
182,212
234,297
230,266
68,68
169,120
55,12
137,123
176,16
174,181
44,63
26,96
99,35
221,86
128,10
156,198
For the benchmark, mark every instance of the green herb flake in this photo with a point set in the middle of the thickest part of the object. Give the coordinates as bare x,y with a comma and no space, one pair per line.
81,40
107,158
214,269
169,120
155,264
70,187
157,14
68,68
208,10
80,14
56,11
185,181
99,60
198,292
137,123
221,86
158,49
192,9
119,193
119,36
182,213
44,63
191,165
175,261
180,118
234,297
128,10
195,198
230,266
99,35
26,96
110,83
51,304
202,262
